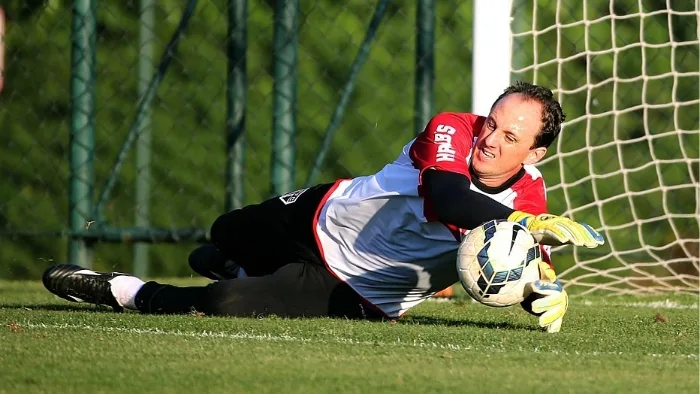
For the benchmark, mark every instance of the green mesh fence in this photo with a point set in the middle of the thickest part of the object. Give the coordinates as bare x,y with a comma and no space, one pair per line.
188,108
194,143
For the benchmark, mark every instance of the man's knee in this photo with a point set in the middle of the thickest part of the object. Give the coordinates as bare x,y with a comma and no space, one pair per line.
207,261
220,229
228,233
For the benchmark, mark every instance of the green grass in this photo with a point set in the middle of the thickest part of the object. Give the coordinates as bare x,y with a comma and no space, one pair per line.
614,344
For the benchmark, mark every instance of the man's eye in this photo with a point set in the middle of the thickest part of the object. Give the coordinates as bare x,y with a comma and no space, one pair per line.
491,126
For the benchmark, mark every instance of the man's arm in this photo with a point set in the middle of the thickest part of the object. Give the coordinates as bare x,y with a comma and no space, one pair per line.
440,153
455,203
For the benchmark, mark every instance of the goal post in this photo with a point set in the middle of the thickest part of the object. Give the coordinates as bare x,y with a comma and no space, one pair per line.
627,74
491,60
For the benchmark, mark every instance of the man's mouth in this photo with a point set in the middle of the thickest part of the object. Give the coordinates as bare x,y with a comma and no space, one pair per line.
487,154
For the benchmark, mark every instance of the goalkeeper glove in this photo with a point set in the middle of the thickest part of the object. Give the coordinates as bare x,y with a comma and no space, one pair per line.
546,299
557,230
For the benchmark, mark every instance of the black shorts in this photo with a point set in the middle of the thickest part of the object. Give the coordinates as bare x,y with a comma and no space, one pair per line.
264,237
274,242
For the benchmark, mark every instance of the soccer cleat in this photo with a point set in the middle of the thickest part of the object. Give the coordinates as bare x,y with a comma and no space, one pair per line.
77,284
208,262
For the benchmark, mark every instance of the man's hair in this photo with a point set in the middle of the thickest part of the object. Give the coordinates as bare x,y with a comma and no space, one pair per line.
552,114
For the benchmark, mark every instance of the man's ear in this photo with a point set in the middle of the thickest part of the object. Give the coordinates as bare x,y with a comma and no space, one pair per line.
535,155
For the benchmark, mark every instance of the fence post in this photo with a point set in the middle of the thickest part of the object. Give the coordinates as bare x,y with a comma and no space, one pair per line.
349,87
284,111
492,53
236,104
2,48
425,63
143,140
82,133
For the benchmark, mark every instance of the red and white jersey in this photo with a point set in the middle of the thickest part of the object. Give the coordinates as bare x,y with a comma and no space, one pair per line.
378,234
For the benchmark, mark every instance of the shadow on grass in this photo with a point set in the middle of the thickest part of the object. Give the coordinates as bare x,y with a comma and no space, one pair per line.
406,320
440,321
58,307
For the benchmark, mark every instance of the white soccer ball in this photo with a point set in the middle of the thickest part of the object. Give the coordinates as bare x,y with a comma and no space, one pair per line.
496,260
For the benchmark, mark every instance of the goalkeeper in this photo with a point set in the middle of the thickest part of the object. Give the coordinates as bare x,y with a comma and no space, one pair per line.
373,246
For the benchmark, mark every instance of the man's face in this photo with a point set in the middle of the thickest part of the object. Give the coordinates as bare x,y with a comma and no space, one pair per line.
505,141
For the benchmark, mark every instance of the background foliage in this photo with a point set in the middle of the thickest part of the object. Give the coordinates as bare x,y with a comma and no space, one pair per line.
189,113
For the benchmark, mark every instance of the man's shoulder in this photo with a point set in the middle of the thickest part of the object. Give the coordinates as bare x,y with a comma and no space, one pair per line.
531,183
532,174
531,192
465,116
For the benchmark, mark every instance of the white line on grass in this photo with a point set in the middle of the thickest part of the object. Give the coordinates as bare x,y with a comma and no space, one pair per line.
665,304
337,340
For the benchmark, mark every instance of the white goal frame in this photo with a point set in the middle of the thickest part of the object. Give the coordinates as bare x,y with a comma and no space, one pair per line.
636,258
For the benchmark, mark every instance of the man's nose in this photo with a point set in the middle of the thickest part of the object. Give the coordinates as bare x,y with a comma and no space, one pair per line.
491,138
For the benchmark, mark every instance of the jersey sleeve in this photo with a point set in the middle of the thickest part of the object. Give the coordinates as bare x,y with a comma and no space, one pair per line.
445,143
533,199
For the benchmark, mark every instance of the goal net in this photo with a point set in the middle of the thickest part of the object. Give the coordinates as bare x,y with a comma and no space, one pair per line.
628,77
